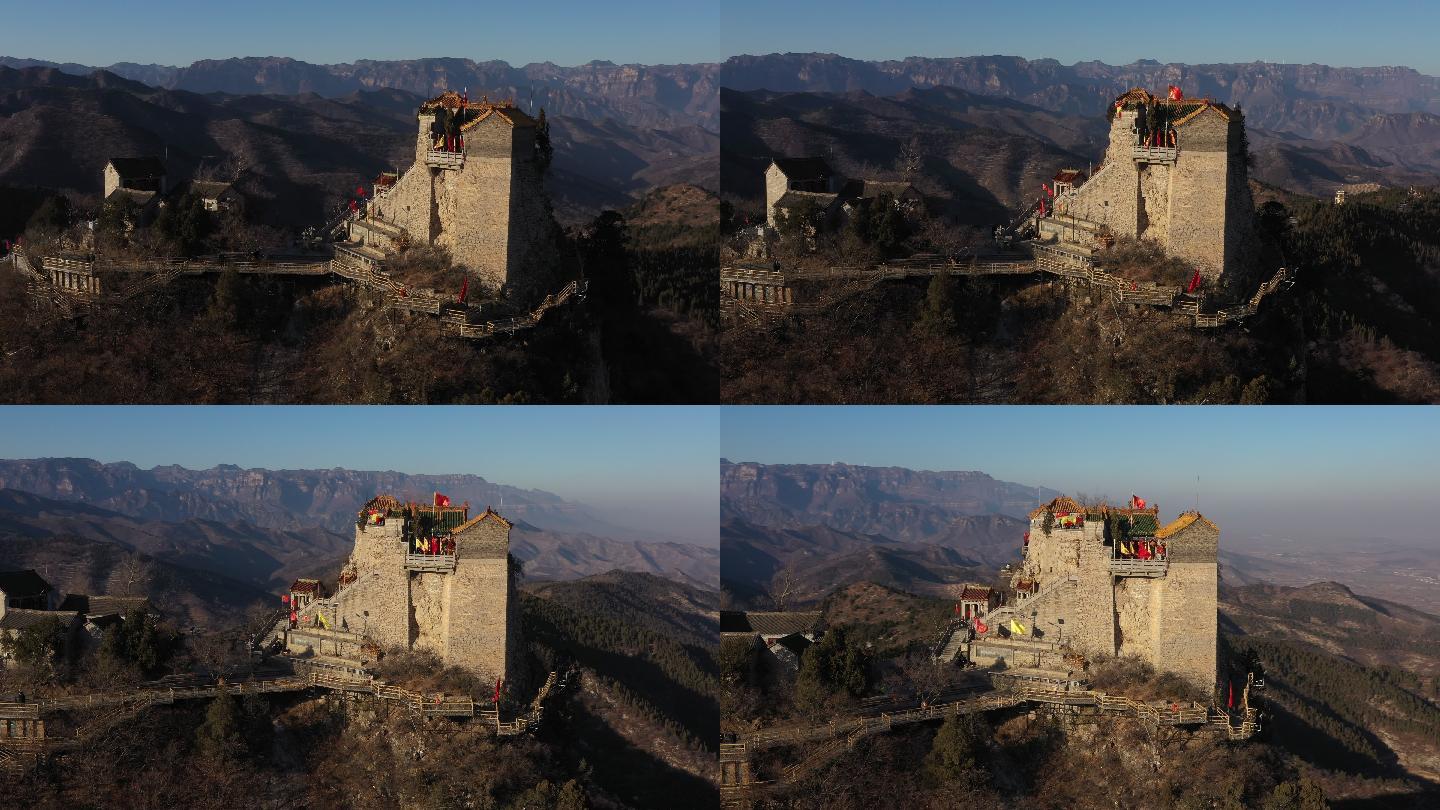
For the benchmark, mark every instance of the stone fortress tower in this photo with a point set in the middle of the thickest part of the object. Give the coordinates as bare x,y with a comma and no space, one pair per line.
1084,586
1175,173
458,603
474,188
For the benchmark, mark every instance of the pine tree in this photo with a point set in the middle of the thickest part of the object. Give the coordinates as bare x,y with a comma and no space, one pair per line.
544,150
938,315
956,750
218,738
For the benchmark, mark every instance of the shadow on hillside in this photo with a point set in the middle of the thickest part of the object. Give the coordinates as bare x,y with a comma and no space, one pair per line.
1323,749
630,773
1424,799
697,713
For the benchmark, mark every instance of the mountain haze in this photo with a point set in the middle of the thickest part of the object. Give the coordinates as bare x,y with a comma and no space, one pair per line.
305,151
644,95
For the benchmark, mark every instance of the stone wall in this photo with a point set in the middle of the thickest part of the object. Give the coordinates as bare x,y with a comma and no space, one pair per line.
469,618
1169,621
481,627
1092,629
491,213
775,188
112,180
377,603
1187,623
1198,209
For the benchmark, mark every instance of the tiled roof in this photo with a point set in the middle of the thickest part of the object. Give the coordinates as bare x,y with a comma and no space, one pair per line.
17,619
132,167
794,642
488,513
141,198
103,605
20,584
791,199
509,113
1060,504
869,189
804,168
975,593
1183,522
1072,176
306,586
384,503
1206,104
1026,585
208,189
769,623
449,100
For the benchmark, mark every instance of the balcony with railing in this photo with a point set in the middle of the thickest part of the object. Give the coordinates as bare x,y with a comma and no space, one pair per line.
1142,557
1154,154
431,563
441,159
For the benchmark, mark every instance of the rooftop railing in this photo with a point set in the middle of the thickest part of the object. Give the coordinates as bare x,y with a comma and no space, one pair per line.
1139,568
442,563
440,159
1154,154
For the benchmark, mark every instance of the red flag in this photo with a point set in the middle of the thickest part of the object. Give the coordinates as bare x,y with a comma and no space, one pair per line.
1175,94
442,500
1230,701
464,288
1048,190
1142,551
354,206
957,608
497,690
360,191
981,627
1136,502
1194,283
285,598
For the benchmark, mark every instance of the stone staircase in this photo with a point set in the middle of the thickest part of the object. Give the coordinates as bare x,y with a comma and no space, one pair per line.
1012,611
955,642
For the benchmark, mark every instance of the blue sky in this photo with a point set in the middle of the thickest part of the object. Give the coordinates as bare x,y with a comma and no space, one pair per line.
1317,472
167,32
1351,34
648,468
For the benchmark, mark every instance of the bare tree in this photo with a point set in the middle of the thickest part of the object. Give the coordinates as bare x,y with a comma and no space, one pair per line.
911,159
132,577
784,586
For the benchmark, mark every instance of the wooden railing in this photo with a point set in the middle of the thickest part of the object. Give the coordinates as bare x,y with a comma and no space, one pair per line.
1139,568
1046,259
442,563
575,289
1154,154
441,159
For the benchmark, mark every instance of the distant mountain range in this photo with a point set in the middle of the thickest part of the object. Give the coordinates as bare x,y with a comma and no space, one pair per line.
1312,127
265,526
816,560
265,560
276,499
308,152
906,505
652,96
824,526
1312,101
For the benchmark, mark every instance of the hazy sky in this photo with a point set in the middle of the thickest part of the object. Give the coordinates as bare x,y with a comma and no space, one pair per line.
1304,472
168,32
1379,32
652,469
